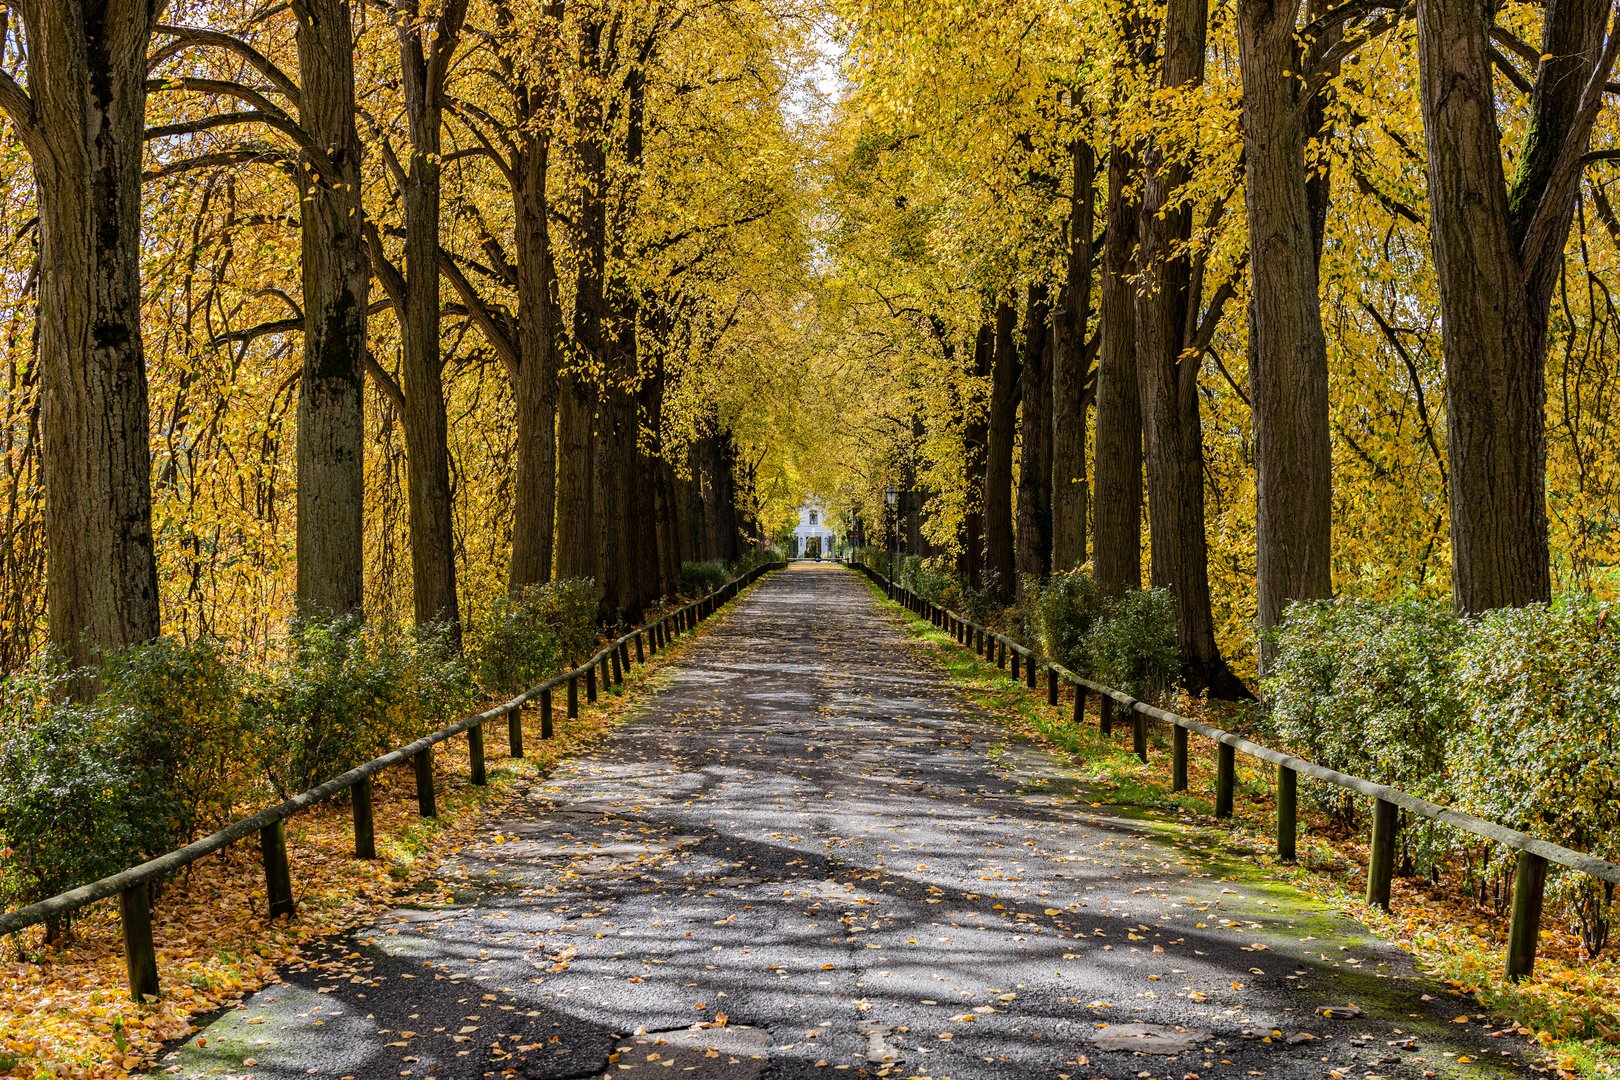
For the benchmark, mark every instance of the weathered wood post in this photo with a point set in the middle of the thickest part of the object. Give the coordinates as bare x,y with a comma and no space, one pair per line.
618,670
365,824
277,872
1225,779
607,673
427,804
1139,735
1529,887
514,732
1105,714
1016,662
590,684
573,697
1051,686
475,755
1287,813
1079,704
545,710
1029,671
1381,863
641,655
1178,759
140,958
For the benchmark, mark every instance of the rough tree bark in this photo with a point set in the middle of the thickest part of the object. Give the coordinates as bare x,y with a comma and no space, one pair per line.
539,328
975,433
426,48
1288,371
1000,571
1498,249
1167,374
1035,436
82,121
336,283
1117,540
1070,375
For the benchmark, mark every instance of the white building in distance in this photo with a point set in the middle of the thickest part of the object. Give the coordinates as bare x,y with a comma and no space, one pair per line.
813,537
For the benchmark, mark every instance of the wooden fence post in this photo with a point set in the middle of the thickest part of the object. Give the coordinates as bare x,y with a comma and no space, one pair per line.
1287,813
1029,671
514,731
1178,759
427,804
1381,864
1016,662
475,755
573,697
641,655
545,713
1051,686
1105,714
365,825
606,674
277,873
140,958
1079,704
624,658
590,684
1139,735
618,670
1225,779
1529,887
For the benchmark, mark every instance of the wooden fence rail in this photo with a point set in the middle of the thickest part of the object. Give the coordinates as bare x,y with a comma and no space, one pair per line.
1533,853
133,886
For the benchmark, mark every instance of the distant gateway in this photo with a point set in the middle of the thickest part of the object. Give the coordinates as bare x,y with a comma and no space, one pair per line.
813,537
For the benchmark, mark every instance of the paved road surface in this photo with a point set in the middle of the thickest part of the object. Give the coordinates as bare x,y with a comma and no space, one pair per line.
806,856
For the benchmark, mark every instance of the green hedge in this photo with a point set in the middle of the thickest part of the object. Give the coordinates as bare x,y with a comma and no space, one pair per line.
524,640
1127,641
1513,715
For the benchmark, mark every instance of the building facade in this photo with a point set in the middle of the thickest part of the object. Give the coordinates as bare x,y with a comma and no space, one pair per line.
813,537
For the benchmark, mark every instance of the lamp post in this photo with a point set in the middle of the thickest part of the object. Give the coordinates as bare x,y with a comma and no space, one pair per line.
891,499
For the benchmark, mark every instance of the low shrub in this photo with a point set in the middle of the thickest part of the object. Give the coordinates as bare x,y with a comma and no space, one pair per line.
340,693
527,639
1365,687
702,578
1132,646
87,789
1540,750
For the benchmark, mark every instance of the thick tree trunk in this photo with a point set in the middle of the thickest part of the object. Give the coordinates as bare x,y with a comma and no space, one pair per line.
1117,562
534,519
1000,571
1498,252
975,433
84,129
576,500
337,281
1035,434
1169,382
1288,373
1070,361
427,444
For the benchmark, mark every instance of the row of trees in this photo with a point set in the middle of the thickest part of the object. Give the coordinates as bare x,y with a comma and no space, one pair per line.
1066,222
495,250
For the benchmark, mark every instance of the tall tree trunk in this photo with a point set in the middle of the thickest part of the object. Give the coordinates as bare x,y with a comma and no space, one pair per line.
1035,430
534,519
336,282
427,444
1000,570
975,433
1498,251
82,121
1288,372
1168,379
1070,361
1117,559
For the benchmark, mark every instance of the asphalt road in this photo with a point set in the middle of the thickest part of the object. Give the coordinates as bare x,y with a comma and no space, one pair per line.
804,855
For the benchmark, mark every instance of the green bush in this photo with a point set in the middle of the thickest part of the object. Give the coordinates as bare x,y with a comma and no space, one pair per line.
702,578
1061,615
1132,645
87,790
1541,749
527,639
341,693
1365,687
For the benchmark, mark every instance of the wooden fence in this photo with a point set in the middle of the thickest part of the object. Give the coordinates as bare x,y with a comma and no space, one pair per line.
1533,854
133,886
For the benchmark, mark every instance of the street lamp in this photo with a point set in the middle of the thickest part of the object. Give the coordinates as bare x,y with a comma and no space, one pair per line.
891,499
